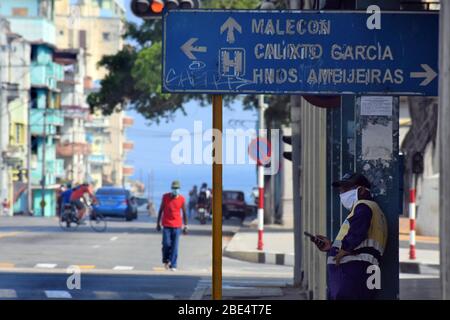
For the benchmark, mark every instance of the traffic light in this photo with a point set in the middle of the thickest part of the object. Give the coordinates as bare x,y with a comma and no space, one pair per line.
153,9
287,154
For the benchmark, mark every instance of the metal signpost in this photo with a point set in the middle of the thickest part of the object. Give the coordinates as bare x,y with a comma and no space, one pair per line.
293,52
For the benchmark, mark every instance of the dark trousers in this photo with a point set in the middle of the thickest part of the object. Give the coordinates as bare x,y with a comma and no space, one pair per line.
348,281
170,242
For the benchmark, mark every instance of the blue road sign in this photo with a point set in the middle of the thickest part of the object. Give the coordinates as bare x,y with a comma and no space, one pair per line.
254,51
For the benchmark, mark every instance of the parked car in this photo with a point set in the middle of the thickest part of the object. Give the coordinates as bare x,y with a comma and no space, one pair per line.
233,204
116,202
142,204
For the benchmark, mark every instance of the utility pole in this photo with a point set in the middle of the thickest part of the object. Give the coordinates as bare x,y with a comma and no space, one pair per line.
44,146
73,151
295,103
2,161
29,192
444,147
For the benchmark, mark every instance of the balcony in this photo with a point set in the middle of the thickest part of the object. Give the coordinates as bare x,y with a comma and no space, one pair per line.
127,170
72,98
46,75
127,122
74,112
96,123
34,28
98,159
128,146
54,118
71,149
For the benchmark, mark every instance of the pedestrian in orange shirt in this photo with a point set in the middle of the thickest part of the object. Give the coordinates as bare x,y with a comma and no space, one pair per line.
172,212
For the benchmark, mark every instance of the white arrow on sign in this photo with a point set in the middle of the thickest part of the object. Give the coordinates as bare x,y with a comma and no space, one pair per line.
230,25
428,73
189,47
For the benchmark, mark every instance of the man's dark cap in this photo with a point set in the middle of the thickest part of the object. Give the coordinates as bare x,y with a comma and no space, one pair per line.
352,180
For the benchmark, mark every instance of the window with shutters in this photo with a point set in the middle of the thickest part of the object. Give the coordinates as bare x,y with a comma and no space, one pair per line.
19,134
82,39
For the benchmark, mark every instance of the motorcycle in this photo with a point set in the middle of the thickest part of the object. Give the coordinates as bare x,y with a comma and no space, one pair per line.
201,213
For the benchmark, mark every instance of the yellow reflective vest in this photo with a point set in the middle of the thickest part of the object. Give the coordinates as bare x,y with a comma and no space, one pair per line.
376,235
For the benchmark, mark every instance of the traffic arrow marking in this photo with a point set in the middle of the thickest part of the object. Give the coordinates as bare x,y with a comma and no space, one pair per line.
188,48
230,25
428,73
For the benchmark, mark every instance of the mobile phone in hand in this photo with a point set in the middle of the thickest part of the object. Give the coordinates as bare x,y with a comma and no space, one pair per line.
314,239
309,235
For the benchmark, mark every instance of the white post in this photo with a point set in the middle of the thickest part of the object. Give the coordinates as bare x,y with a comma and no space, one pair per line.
444,147
412,220
260,173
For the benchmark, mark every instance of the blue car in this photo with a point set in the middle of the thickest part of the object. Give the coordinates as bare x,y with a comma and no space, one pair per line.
115,202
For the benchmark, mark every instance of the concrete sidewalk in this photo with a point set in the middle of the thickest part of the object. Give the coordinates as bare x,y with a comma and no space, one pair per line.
278,249
427,252
278,246
419,278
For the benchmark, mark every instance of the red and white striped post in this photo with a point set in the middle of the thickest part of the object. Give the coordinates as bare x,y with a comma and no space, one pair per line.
260,173
412,221
260,205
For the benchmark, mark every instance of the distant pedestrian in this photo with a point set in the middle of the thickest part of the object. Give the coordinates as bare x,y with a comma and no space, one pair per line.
151,209
359,244
193,197
172,212
6,206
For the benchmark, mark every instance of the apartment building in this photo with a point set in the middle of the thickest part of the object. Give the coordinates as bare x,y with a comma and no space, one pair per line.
15,54
96,27
34,21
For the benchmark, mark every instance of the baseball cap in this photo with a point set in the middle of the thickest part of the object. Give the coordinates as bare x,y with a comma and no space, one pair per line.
176,184
351,180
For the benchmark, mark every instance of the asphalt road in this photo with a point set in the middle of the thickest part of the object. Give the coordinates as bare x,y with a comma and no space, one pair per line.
124,262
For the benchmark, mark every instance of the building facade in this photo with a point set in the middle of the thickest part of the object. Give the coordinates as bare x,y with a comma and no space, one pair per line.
14,88
73,147
34,21
96,27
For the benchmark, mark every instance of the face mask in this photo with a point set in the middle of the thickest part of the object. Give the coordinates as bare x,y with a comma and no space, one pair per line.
349,198
175,192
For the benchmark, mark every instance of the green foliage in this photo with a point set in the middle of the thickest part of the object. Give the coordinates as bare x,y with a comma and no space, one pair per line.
134,74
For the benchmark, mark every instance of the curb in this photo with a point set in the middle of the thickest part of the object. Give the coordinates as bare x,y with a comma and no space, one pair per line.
282,259
419,268
255,256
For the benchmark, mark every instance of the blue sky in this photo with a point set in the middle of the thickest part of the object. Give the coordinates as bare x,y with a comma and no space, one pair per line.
153,146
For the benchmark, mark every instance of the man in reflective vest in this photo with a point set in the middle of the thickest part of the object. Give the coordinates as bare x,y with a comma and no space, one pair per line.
360,243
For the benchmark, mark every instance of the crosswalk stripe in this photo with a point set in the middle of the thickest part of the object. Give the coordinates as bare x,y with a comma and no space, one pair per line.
85,267
8,234
8,294
57,294
123,268
45,265
6,265
159,269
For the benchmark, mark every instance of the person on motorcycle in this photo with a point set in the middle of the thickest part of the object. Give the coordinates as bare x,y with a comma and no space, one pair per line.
77,199
204,198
